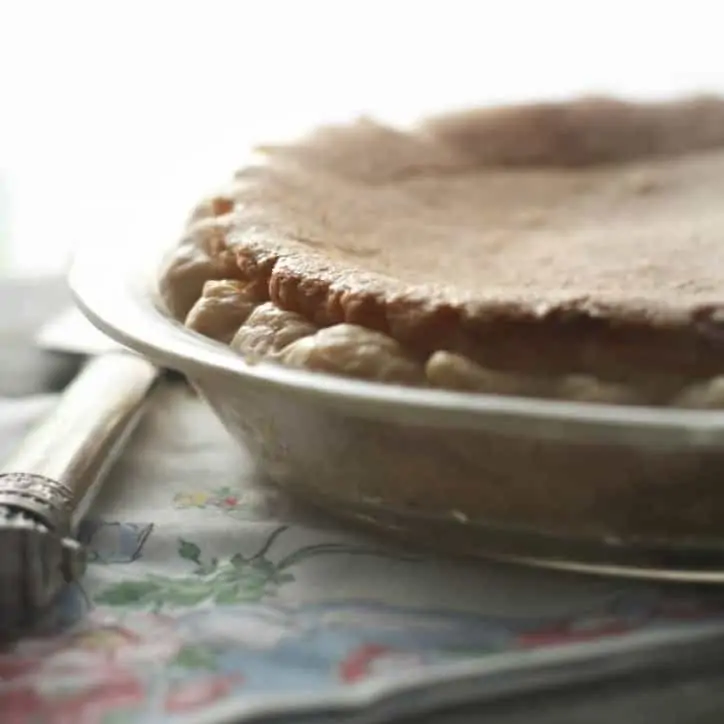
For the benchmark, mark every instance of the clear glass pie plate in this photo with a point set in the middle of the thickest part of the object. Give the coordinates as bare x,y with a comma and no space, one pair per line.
592,487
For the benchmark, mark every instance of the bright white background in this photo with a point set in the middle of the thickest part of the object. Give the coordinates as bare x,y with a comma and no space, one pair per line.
128,109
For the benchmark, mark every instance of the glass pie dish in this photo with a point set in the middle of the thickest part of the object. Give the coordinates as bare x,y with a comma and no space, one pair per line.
600,488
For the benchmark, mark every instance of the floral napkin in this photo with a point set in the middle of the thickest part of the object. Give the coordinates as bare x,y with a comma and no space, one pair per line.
209,598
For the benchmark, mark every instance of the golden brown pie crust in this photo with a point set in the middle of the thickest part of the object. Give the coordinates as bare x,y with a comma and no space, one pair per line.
547,240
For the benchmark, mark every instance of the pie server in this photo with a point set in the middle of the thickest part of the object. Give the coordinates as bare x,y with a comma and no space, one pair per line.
48,483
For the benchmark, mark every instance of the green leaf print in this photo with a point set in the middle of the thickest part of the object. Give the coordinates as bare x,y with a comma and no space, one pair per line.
237,579
127,593
189,551
226,595
196,657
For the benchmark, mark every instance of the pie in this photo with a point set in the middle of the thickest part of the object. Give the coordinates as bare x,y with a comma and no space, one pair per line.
568,250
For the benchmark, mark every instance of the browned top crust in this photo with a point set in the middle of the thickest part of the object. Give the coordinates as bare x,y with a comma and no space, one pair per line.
580,237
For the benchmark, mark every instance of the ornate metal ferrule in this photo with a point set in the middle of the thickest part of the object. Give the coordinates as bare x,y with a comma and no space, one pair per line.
37,557
43,499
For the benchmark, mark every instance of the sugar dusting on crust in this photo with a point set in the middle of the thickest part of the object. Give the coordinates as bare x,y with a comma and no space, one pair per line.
577,239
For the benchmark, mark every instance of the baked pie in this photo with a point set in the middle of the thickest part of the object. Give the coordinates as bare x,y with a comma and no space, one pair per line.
569,250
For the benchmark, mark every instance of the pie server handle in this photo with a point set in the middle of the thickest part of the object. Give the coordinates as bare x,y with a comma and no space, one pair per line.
55,473
49,483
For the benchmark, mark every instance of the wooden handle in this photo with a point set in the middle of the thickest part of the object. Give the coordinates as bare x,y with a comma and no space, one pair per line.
80,439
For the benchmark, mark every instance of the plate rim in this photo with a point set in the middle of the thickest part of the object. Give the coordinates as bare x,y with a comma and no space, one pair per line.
126,306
